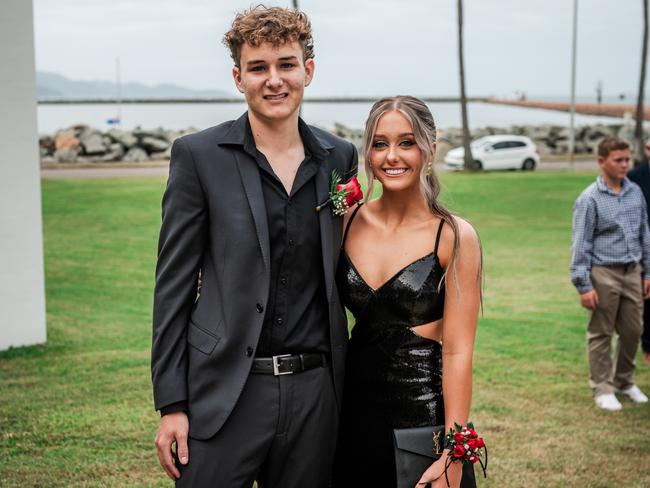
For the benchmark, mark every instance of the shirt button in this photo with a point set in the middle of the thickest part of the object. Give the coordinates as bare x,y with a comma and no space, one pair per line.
259,308
283,281
279,320
249,351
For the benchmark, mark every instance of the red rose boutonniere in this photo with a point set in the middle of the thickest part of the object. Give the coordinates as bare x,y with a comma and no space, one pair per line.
342,195
465,446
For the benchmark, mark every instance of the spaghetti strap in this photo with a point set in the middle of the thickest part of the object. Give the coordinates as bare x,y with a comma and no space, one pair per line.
435,249
347,227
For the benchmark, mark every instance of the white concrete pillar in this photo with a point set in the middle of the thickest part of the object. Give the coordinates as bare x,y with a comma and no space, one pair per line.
22,284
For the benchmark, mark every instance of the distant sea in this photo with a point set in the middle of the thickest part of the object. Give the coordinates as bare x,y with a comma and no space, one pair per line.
202,115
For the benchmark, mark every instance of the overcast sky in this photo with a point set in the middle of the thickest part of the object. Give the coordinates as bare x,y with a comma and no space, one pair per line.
363,47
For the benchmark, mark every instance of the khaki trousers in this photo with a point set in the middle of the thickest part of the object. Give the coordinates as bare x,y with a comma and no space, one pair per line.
620,309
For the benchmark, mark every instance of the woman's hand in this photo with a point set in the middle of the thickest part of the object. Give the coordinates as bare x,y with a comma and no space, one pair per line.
435,474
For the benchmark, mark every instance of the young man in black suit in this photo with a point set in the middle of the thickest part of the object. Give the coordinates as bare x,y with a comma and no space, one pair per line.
248,374
641,176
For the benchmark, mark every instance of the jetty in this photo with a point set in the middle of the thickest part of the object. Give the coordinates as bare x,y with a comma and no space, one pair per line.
604,109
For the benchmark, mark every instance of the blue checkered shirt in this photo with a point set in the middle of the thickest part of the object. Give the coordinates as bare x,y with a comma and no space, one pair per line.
608,228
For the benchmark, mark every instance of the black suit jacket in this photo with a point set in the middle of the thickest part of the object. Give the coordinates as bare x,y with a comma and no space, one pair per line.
214,220
641,176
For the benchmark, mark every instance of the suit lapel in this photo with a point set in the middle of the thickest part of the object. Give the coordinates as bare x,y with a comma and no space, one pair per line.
250,177
325,220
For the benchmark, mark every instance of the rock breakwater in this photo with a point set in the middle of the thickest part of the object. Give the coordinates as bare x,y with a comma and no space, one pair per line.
84,144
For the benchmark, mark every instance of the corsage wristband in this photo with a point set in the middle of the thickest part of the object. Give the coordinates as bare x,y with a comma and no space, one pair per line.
465,446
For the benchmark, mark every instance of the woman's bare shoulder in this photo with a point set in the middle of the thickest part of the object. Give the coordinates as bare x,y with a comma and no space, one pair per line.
468,240
466,232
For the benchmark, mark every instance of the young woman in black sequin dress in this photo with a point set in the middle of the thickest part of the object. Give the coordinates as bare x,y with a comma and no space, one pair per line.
410,273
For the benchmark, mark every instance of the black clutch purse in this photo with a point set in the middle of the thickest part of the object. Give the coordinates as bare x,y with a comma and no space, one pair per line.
416,449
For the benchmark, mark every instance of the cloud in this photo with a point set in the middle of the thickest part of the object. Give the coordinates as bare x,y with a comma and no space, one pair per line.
369,47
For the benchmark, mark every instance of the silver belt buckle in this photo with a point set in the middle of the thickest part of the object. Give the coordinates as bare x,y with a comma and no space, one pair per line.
276,365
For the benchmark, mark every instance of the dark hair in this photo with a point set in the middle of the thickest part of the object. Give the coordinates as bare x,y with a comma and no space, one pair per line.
610,144
276,25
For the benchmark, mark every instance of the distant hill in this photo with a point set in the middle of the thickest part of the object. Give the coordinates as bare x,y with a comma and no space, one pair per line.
52,85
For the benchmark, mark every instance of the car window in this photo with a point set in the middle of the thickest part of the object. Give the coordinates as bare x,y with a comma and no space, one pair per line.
500,145
516,144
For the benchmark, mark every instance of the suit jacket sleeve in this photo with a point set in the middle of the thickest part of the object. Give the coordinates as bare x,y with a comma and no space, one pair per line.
641,176
645,241
180,249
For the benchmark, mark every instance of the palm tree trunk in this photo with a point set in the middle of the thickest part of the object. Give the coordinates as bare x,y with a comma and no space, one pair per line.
641,157
468,159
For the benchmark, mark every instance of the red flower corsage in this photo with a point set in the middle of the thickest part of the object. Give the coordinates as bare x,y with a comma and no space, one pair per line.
342,195
465,446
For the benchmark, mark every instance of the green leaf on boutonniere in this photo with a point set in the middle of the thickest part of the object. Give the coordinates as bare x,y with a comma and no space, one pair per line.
335,180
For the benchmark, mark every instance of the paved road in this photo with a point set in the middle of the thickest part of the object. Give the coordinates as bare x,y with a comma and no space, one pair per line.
163,170
551,166
564,165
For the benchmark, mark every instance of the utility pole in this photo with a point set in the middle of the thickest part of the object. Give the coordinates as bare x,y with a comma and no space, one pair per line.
295,6
572,140
118,87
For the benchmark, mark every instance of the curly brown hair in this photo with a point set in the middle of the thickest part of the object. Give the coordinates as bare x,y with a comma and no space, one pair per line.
276,25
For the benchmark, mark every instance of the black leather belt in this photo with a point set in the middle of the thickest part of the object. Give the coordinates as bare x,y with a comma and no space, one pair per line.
288,363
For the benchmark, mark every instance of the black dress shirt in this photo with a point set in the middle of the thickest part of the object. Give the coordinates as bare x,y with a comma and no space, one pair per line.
296,319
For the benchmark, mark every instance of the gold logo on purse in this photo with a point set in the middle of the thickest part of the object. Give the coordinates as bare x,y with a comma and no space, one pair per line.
436,442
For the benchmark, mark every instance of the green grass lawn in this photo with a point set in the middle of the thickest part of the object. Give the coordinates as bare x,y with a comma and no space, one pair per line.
79,412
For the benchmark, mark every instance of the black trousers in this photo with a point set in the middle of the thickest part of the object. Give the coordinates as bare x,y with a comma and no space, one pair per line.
282,433
645,338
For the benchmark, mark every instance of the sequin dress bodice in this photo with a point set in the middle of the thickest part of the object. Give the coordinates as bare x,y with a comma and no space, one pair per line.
409,298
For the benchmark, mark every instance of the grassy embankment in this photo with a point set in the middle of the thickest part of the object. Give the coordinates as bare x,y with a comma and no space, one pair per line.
78,411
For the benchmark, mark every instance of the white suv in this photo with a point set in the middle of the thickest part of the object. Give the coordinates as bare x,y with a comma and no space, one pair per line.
498,152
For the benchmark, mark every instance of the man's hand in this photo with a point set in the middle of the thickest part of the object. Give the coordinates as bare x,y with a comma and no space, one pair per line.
173,427
646,289
589,300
